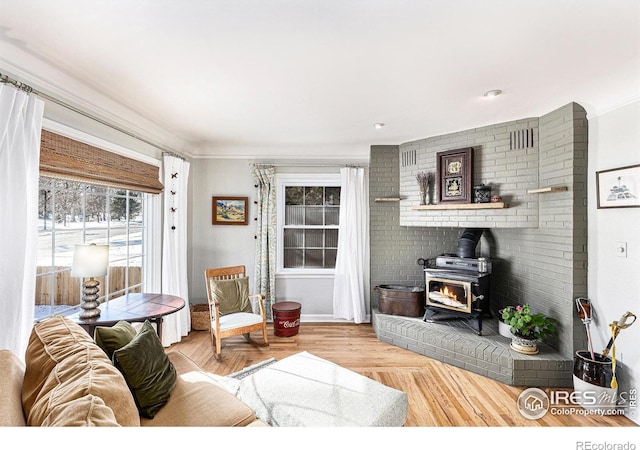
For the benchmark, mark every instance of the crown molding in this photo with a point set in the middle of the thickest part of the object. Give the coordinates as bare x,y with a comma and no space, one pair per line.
53,82
612,108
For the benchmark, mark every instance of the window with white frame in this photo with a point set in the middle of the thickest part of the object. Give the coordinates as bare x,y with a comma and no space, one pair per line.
72,213
308,219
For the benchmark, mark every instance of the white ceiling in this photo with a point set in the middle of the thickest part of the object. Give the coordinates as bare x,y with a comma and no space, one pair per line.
309,78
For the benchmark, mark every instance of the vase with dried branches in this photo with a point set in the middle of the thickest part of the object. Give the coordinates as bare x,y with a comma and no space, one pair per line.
425,183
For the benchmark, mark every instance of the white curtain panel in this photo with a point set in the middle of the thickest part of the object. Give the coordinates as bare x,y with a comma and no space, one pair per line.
20,129
351,286
174,247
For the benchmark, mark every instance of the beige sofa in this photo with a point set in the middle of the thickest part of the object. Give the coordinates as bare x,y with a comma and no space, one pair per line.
68,380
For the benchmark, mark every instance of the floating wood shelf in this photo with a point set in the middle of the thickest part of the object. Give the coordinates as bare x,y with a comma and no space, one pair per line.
547,189
387,199
492,205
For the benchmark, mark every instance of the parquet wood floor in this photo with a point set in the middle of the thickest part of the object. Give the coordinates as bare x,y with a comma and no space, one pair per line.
439,394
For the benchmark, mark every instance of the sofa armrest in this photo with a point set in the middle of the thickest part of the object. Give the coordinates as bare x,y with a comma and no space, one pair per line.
11,377
199,400
182,362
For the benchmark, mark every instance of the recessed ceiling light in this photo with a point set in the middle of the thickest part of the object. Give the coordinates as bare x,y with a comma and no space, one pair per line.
378,125
493,93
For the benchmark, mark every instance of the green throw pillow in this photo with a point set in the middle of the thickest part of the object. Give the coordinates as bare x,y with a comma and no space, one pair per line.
146,367
113,338
233,295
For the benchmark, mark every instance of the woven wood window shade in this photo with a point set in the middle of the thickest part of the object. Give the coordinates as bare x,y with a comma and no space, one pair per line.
62,157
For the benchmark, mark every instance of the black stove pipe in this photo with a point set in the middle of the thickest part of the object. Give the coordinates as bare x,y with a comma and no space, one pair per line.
468,241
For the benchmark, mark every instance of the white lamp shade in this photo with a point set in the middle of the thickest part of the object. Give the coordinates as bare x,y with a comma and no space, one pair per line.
90,260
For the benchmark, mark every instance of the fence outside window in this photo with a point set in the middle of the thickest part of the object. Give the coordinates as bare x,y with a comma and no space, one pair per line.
72,213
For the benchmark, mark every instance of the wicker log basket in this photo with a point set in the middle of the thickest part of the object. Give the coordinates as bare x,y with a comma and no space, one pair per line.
200,319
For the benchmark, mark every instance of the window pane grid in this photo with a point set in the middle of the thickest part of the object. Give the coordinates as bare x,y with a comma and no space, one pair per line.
310,227
72,213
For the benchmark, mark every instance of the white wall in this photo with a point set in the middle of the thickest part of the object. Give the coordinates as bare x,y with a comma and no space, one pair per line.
614,282
314,294
225,245
219,245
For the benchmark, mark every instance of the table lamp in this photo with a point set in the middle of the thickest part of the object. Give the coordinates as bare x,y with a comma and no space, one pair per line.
90,261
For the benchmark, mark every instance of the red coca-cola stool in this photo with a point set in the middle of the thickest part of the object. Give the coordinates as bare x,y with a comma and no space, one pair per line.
286,318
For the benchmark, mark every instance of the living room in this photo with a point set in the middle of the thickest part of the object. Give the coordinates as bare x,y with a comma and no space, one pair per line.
571,243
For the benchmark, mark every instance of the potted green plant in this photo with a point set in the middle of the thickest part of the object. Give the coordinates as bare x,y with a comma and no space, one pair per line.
527,328
503,328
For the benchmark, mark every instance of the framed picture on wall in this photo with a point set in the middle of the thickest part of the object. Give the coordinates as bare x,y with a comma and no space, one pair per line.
229,210
454,172
619,188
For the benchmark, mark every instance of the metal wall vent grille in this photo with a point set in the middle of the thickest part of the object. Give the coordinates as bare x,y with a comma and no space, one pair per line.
521,139
409,158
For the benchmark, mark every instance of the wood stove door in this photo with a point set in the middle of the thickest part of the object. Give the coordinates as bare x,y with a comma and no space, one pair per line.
448,294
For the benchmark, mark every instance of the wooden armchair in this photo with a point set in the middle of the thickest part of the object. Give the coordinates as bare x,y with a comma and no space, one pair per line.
231,307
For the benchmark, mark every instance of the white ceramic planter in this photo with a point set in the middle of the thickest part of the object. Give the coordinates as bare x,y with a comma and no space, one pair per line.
504,329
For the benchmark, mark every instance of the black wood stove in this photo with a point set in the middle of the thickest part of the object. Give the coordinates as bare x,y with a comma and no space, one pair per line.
458,286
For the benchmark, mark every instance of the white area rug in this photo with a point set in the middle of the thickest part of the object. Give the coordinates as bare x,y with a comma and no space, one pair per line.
252,369
305,390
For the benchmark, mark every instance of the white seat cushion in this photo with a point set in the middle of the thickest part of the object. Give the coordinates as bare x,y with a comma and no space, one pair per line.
236,320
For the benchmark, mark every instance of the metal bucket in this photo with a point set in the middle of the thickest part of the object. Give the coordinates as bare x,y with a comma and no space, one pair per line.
401,300
286,318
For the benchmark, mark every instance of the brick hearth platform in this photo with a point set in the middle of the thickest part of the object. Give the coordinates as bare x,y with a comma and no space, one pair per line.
490,355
